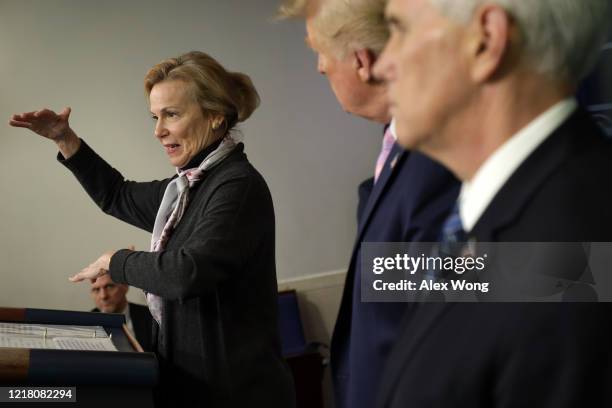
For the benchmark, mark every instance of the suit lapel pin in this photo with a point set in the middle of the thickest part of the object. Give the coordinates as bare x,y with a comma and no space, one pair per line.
394,161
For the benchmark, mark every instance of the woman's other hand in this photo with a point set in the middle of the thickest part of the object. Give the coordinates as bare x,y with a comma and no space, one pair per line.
97,268
52,126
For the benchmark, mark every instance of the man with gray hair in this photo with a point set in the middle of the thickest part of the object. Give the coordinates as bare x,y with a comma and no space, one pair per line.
495,82
407,200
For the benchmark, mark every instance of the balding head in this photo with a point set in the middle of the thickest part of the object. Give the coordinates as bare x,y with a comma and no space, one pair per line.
108,295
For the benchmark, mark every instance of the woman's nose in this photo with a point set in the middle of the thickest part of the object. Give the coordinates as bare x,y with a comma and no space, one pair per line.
160,129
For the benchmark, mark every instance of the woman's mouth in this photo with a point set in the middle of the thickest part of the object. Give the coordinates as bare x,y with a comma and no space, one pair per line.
171,148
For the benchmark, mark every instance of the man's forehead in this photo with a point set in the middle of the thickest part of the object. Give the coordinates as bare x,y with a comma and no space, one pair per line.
102,281
405,10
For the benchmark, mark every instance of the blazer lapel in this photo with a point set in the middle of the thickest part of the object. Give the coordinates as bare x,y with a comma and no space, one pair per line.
511,199
395,156
416,326
343,322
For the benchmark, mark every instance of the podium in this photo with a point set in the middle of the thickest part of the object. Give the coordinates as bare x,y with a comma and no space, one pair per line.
125,377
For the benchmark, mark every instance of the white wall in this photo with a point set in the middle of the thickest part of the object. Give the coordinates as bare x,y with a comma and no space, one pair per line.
92,55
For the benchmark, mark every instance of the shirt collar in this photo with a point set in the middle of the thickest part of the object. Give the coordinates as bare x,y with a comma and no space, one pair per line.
126,310
392,128
477,193
128,317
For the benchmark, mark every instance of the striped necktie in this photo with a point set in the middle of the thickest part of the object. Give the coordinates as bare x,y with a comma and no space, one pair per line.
387,145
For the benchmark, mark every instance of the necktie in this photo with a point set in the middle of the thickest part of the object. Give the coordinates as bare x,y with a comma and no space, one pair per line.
451,243
452,229
387,144
452,236
173,205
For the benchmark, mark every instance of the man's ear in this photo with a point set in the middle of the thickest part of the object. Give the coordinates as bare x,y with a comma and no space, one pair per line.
364,63
488,41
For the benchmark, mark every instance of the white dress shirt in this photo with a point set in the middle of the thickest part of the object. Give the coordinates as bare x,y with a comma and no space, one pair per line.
393,130
128,318
477,193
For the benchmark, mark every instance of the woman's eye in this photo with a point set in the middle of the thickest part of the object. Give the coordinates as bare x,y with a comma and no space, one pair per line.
154,117
172,114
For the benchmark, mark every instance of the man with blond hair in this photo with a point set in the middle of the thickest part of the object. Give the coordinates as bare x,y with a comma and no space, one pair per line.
406,200
496,81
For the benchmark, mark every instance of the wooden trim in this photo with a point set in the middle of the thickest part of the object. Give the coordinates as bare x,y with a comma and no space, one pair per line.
132,339
14,364
12,314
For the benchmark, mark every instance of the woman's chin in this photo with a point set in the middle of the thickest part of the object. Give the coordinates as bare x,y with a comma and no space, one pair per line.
178,162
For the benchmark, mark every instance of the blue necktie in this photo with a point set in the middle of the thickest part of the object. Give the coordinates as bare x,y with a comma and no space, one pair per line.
452,241
452,236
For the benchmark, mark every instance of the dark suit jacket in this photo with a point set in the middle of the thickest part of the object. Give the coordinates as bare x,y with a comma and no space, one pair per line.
408,203
142,322
545,355
218,345
143,325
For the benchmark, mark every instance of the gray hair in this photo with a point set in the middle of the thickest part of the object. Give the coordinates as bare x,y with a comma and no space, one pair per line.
563,37
344,25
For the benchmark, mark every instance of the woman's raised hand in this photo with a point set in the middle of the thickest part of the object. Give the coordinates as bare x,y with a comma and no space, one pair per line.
45,122
52,126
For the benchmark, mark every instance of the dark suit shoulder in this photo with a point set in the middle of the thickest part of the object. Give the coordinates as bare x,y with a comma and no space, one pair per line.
559,193
139,309
573,203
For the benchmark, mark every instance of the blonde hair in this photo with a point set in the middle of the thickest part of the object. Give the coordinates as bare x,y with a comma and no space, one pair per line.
217,91
343,25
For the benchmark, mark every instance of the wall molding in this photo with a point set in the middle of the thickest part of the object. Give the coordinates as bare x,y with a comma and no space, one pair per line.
314,282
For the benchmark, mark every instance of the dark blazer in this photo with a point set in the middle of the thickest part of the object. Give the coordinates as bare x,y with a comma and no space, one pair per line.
142,322
218,345
545,355
408,203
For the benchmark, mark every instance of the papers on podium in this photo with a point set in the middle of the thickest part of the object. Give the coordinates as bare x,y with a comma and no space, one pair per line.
58,337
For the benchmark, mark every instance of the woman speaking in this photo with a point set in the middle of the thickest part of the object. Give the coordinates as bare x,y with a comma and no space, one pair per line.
210,278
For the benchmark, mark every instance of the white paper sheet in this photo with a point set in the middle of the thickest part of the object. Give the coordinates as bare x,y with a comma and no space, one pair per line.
39,336
72,343
24,342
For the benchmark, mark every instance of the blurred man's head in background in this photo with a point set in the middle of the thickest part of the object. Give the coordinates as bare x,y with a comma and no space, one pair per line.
110,297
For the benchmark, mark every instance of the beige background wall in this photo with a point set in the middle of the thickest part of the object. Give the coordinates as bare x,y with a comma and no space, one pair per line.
92,55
